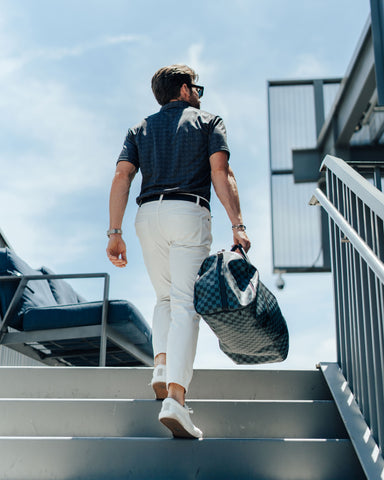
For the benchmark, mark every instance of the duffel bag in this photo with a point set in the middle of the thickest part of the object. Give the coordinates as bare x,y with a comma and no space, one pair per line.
239,308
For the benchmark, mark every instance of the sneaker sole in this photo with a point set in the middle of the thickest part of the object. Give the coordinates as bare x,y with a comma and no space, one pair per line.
160,389
176,428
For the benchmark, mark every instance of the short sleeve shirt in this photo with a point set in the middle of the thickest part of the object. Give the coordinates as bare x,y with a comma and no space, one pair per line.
172,150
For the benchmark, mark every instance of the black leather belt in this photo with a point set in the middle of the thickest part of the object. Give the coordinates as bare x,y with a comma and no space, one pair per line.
178,196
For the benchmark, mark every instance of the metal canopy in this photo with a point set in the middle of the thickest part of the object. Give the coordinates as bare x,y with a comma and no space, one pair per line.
309,119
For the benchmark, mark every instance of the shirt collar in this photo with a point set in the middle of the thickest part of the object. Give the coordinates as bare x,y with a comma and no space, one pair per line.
177,104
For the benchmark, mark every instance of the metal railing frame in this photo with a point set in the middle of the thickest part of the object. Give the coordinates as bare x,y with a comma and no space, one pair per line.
356,218
24,279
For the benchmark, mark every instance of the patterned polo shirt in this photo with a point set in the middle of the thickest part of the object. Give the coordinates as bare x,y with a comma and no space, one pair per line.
172,150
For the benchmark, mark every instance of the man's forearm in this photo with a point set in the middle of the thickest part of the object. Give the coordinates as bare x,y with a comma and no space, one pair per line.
225,186
118,198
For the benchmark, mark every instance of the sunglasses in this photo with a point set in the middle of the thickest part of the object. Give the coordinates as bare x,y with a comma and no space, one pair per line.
199,88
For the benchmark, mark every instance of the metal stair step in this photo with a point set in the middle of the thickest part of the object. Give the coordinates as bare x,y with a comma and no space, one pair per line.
139,418
238,384
145,458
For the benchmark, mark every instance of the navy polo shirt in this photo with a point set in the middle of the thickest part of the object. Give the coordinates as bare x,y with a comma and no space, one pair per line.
172,150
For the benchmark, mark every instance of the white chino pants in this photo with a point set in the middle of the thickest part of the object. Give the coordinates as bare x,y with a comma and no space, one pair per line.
175,237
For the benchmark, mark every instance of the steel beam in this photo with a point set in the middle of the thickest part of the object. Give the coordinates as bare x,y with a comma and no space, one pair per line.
377,17
353,98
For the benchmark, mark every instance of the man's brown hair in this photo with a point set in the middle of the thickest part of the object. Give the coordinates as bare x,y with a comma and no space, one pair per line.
167,81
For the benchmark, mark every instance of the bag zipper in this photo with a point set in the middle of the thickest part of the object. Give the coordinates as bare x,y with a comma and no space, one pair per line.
223,296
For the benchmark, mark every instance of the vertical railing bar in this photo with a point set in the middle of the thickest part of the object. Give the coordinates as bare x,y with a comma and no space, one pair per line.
375,352
352,303
379,228
336,286
361,295
341,273
381,372
342,354
330,177
368,226
345,295
378,242
380,237
359,323
372,344
380,353
372,351
368,340
350,312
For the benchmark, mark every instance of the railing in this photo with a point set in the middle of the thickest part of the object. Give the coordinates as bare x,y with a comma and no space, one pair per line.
356,214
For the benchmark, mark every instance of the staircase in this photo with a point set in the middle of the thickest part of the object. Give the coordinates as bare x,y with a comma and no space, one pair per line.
101,423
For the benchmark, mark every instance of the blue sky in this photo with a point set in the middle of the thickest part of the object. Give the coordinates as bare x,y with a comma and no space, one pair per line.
75,75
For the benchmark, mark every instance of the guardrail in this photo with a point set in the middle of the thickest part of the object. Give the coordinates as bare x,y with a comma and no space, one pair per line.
356,218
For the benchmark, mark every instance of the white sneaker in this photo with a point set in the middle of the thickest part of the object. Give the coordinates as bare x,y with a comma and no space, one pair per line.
159,382
176,417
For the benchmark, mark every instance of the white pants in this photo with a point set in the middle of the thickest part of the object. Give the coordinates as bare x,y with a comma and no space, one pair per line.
175,237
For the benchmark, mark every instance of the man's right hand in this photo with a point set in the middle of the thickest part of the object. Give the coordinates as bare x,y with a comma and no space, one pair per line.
117,251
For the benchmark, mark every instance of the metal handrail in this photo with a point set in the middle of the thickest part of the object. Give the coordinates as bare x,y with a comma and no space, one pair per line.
351,235
355,210
369,194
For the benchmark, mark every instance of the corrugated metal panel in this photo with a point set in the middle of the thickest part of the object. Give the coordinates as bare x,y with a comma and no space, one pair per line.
296,225
293,119
292,122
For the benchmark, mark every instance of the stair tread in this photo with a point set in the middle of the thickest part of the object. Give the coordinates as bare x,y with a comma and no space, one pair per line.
138,458
234,383
109,417
96,423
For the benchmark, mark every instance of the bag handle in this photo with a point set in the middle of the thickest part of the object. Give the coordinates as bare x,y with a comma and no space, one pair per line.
242,251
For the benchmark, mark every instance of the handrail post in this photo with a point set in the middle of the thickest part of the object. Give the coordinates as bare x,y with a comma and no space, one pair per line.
104,319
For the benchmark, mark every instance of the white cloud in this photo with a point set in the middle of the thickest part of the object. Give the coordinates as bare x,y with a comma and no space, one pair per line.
52,151
11,63
309,65
195,59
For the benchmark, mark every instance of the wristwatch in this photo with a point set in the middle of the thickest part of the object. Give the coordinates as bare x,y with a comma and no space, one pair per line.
114,230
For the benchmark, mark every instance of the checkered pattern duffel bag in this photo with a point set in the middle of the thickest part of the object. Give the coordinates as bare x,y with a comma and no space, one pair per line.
241,311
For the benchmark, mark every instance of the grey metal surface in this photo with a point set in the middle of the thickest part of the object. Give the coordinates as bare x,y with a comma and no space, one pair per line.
377,16
366,448
209,459
22,283
90,435
353,97
21,340
131,383
139,418
296,114
366,253
371,196
356,215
